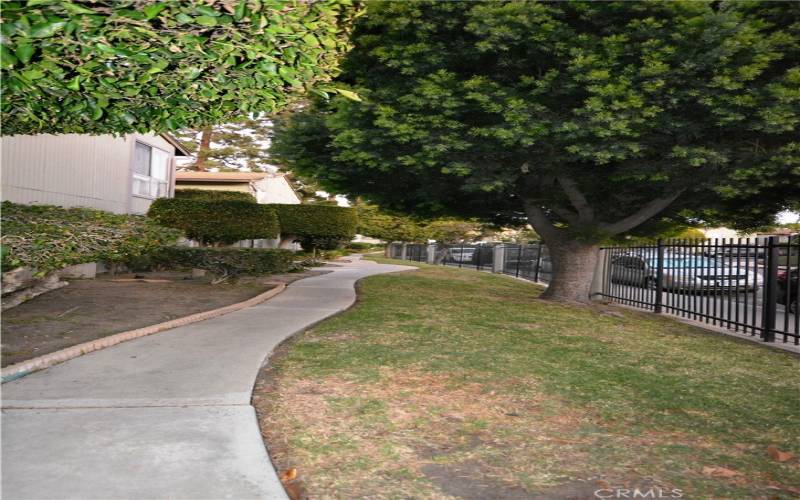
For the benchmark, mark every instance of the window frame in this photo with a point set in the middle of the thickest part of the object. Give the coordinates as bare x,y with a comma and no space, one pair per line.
149,178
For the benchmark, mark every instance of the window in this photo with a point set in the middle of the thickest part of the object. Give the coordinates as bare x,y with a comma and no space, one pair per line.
150,171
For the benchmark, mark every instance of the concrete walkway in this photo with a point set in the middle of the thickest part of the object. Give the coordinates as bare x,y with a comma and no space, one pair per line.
164,416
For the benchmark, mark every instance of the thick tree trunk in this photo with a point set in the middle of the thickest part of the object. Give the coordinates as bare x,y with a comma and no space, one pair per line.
202,151
573,266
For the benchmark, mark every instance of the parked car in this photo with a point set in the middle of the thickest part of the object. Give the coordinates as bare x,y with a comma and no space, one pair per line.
462,254
681,272
788,289
735,251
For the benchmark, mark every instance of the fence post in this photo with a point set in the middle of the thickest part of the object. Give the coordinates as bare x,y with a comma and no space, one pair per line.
769,307
403,251
659,277
430,256
538,262
498,258
388,251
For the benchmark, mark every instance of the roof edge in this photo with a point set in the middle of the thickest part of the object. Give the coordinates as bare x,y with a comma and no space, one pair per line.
177,145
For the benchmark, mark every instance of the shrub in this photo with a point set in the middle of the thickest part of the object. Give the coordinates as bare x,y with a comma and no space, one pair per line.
317,226
361,246
226,262
207,195
47,238
216,222
118,66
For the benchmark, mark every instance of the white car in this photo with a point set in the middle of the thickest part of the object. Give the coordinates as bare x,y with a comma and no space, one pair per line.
465,254
691,273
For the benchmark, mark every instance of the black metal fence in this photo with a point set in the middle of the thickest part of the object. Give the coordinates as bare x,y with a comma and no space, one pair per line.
746,285
531,262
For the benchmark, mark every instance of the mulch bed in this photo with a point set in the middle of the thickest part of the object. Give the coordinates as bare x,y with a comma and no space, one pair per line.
91,309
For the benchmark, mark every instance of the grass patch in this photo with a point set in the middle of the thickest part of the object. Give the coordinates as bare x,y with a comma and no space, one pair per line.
444,373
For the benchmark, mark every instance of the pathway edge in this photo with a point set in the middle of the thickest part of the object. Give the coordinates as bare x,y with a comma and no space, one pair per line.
19,370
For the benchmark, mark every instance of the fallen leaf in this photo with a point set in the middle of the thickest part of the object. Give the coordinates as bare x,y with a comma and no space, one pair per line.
715,471
289,475
778,455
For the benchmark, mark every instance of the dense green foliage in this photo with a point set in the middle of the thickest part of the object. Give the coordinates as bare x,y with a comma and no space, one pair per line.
209,195
377,223
588,117
118,66
225,262
48,238
214,222
319,226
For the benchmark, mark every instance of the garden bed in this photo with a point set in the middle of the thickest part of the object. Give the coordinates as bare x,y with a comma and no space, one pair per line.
91,309
446,383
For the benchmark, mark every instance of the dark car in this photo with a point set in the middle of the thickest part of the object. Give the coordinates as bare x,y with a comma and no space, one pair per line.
788,289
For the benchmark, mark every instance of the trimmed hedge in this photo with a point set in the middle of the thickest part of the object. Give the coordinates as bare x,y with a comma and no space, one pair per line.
208,195
317,221
216,222
48,238
226,262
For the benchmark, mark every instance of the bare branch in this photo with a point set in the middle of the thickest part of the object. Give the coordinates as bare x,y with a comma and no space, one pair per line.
642,215
576,198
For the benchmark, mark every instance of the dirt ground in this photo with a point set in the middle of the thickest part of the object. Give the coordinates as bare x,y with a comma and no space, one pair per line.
90,309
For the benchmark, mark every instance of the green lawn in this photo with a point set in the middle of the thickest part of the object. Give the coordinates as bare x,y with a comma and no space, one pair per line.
441,383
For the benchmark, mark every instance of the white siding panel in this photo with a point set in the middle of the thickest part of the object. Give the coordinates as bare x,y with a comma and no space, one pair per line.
140,205
67,170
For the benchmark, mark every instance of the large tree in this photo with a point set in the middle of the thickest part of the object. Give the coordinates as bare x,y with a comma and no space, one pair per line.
238,145
118,66
588,118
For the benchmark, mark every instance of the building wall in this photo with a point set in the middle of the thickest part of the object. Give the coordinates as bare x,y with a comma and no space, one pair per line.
243,187
73,170
276,190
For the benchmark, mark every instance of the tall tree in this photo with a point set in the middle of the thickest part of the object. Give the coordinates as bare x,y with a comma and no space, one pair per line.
119,66
237,145
588,118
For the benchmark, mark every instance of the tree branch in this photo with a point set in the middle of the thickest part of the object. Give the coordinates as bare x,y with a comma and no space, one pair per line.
645,213
540,222
576,198
567,215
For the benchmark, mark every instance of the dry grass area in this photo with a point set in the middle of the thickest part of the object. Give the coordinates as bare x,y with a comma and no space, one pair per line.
454,384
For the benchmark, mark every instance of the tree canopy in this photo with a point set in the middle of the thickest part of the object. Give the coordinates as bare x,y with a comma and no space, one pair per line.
377,223
588,118
119,66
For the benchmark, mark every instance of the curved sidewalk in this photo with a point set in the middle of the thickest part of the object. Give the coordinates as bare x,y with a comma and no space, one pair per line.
164,416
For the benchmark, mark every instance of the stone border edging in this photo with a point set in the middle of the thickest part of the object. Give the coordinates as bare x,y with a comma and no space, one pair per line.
18,370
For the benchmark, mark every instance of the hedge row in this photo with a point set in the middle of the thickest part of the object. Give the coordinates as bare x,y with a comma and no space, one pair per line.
317,221
208,195
214,217
48,238
226,262
216,221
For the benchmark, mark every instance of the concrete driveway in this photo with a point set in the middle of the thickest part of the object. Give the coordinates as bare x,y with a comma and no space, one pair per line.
164,416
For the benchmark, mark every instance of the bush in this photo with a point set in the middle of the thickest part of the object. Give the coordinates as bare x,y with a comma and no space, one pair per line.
119,66
362,246
48,238
216,222
317,226
208,195
226,262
